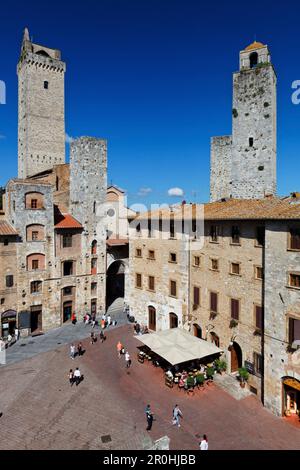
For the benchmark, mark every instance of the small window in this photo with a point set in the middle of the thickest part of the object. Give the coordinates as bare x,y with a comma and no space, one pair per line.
93,286
138,228
260,236
258,363
259,272
235,235
6,242
46,85
35,236
197,261
214,264
251,141
67,240
151,283
138,280
2,301
67,291
253,58
294,280
173,288
9,280
33,204
36,287
173,258
234,309
259,312
68,268
235,268
213,302
214,233
151,254
94,247
294,239
138,253
94,207
294,330
196,296
94,266
172,227
149,228
35,264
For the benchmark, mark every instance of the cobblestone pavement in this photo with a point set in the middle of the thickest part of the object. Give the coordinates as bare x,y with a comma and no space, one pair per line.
42,411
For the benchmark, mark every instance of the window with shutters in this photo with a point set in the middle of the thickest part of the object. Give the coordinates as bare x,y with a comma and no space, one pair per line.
258,313
151,254
234,309
235,268
67,240
173,288
258,363
138,280
36,287
35,264
213,302
173,258
138,253
294,280
294,239
196,261
260,236
259,272
214,264
294,330
235,235
196,300
151,283
214,233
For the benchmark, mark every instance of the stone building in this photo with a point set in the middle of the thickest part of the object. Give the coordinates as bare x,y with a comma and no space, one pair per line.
244,165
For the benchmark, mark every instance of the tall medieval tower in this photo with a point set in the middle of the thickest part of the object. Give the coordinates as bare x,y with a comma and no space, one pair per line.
244,165
41,113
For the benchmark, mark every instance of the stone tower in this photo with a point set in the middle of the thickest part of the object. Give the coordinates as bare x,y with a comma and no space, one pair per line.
244,165
41,114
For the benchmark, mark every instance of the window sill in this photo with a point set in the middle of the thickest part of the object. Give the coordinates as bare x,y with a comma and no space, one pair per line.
214,270
292,287
138,287
235,244
151,259
293,250
172,262
214,242
259,246
150,290
173,296
234,274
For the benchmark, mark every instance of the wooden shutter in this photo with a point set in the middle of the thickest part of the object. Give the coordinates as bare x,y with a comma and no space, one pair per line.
258,317
213,302
235,304
295,239
196,296
291,330
296,330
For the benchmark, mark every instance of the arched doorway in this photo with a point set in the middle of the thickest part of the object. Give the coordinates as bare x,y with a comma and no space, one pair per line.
291,397
152,318
215,339
236,357
197,330
115,282
67,310
173,320
8,323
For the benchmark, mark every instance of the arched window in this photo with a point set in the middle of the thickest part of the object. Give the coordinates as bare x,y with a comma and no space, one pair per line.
197,330
34,200
253,59
152,318
173,320
94,247
215,339
35,262
35,232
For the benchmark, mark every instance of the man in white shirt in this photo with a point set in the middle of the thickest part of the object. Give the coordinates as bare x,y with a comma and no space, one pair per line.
108,320
77,376
127,359
72,351
204,443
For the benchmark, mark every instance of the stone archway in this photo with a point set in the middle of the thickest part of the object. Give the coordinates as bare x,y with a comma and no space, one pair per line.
236,357
115,282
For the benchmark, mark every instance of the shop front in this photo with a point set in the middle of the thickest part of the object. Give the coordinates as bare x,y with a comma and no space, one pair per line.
291,396
8,323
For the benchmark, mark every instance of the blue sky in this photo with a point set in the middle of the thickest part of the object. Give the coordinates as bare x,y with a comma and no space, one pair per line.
154,77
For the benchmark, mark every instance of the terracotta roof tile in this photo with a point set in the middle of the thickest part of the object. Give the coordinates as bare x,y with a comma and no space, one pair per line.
6,228
67,221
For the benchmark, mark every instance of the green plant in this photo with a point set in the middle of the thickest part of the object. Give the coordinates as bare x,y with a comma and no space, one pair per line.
200,379
243,374
210,373
190,382
221,365
233,323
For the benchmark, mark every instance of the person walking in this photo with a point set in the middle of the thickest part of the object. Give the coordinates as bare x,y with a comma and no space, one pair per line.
73,318
71,377
92,337
102,337
108,320
103,323
176,415
77,376
149,417
127,359
119,349
79,349
72,351
16,334
204,443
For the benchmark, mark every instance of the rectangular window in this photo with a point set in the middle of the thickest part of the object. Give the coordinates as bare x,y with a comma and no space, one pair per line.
197,261
35,264
172,227
234,309
251,141
235,235
93,286
9,280
214,264
196,296
214,233
151,283
33,204
235,268
138,253
173,289
35,236
36,287
6,242
2,301
149,228
214,302
259,311
260,236
173,258
68,268
138,280
46,85
294,239
94,266
151,254
258,363
259,272
294,280
138,228
67,240
294,330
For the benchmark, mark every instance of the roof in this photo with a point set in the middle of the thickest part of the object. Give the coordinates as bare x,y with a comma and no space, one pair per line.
67,221
7,229
117,241
269,208
177,345
254,45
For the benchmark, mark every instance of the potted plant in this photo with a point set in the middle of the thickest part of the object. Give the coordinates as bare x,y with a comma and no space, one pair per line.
243,376
221,366
200,379
190,382
210,373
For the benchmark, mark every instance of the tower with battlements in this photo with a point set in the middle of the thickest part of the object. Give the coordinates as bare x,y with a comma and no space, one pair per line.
244,165
41,113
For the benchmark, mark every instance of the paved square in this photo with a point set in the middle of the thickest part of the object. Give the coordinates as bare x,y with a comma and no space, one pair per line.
106,411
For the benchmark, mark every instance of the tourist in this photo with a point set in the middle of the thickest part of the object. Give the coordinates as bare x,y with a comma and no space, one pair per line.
77,376
92,337
79,349
103,323
71,377
119,348
87,319
176,414
93,322
149,417
108,320
72,351
204,443
102,336
127,359
169,374
73,318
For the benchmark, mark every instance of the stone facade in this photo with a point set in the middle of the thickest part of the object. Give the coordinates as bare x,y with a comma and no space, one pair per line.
41,119
246,167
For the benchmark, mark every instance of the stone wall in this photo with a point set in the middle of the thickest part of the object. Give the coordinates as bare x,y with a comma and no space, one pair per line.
220,167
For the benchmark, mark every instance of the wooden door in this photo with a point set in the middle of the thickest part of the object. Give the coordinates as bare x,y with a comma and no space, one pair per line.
173,320
236,357
152,318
